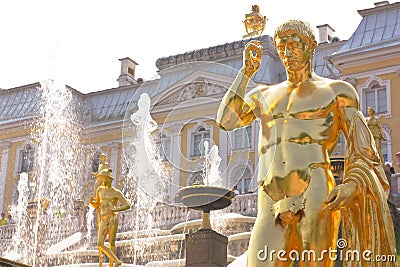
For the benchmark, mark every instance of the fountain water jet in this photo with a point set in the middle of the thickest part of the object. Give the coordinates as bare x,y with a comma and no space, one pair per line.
146,179
18,250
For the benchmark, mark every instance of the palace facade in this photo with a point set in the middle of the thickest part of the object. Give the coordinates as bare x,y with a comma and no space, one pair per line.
184,102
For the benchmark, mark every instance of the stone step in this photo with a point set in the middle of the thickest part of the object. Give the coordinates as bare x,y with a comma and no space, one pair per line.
9,263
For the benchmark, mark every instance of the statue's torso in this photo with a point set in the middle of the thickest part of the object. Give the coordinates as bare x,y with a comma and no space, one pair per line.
297,132
108,200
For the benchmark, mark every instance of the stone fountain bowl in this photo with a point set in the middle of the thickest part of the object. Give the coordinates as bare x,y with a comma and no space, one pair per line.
206,197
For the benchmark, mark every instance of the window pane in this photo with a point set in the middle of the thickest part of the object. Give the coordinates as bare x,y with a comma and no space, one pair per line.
28,158
369,100
196,144
240,186
238,139
384,152
248,137
382,103
247,184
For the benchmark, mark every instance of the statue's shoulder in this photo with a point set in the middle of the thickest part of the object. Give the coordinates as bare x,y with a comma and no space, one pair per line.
345,93
343,88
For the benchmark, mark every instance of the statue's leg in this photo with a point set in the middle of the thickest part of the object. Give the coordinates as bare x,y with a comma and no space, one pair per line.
98,231
267,237
318,229
103,231
113,227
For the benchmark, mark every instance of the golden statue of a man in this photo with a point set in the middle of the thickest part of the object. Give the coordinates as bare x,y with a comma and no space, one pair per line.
106,202
301,120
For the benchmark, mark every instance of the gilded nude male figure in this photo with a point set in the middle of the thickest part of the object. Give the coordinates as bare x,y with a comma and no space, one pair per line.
301,120
107,203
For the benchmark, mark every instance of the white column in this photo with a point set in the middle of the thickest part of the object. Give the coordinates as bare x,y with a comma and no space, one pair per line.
176,158
113,161
223,152
5,146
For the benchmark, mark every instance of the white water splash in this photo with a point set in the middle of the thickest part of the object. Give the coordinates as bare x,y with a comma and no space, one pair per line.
212,160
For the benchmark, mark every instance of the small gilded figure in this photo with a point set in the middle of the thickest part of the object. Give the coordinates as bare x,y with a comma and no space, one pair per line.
254,22
103,165
375,126
106,202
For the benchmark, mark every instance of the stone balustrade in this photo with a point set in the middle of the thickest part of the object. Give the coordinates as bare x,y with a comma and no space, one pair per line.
163,217
167,215
7,232
50,231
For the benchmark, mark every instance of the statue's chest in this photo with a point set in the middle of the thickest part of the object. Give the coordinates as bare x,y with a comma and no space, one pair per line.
303,105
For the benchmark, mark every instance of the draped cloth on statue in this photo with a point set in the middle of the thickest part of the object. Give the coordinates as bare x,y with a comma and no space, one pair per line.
367,223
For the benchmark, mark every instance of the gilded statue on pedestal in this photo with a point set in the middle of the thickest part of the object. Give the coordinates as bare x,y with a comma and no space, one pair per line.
254,22
375,126
106,202
299,205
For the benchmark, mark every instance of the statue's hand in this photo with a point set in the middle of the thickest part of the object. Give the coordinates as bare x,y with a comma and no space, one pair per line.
93,202
340,196
252,58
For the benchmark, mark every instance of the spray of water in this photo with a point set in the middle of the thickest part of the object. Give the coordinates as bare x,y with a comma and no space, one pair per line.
58,137
146,179
18,250
212,161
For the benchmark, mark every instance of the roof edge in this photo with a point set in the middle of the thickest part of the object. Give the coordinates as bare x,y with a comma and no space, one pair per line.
378,9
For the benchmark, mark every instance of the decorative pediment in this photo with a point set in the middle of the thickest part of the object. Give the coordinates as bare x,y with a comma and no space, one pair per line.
193,90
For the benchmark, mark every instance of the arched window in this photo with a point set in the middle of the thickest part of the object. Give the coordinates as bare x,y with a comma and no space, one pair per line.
27,159
375,97
201,135
375,93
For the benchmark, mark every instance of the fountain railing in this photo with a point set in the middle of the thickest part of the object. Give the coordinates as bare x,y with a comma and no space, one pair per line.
61,228
7,232
164,216
167,215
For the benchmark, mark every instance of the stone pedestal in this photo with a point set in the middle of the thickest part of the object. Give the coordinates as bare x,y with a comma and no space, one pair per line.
206,248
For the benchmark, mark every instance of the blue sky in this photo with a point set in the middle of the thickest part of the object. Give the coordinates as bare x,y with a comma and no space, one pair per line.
79,42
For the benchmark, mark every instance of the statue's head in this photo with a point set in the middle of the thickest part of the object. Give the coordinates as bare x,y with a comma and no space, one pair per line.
370,111
105,175
295,43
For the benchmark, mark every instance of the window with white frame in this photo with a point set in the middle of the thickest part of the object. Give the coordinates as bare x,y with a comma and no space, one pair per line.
376,97
242,137
27,159
201,135
243,183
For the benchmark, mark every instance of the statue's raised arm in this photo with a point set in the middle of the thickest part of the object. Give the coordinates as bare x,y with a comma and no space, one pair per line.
234,111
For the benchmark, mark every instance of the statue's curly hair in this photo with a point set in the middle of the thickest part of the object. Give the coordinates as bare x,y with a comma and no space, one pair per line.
295,26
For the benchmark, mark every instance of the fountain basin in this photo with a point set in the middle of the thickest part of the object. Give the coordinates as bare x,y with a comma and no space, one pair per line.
206,197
